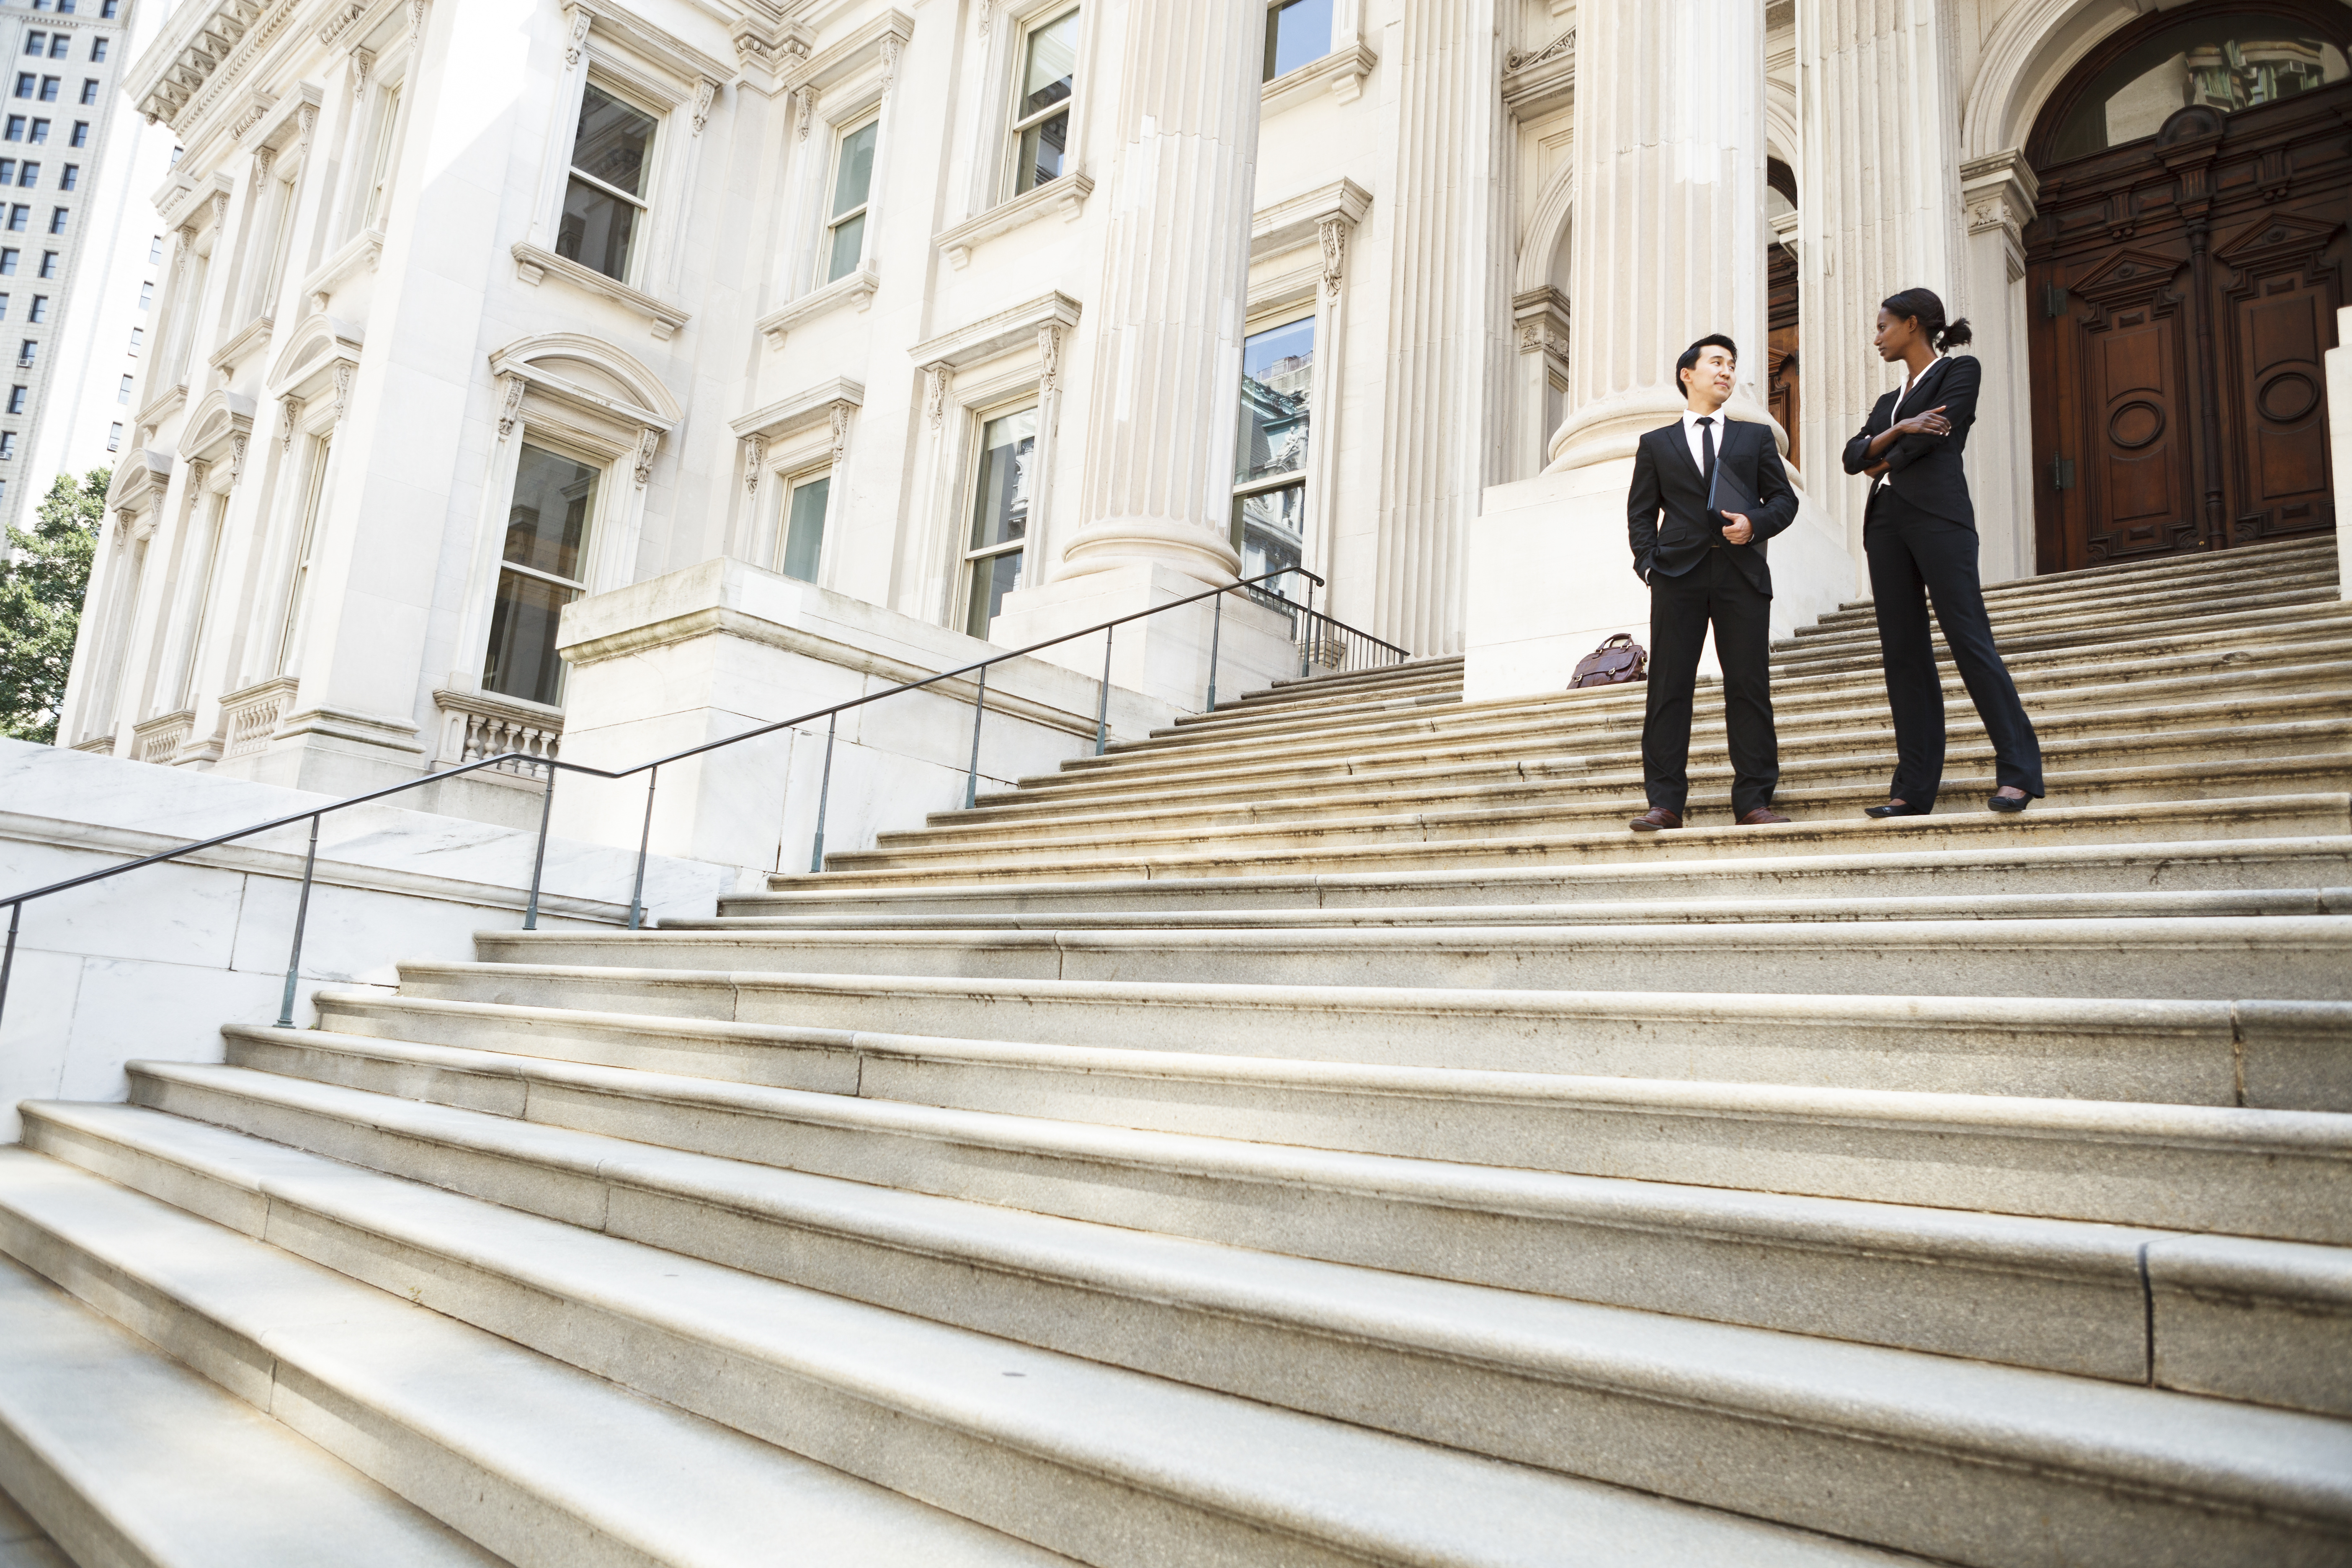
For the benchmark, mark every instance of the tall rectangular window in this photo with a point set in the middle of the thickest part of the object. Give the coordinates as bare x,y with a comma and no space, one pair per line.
40,310
48,264
7,171
98,51
545,568
90,89
146,295
4,307
138,337
1297,32
15,128
81,134
48,89
853,181
114,438
804,542
604,203
1041,114
306,545
379,164
999,516
27,351
155,251
16,399
37,42
70,177
30,174
57,219
7,444
1269,519
122,392
61,47
40,131
24,81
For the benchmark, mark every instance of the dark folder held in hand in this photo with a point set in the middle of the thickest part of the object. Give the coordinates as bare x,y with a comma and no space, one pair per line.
1728,494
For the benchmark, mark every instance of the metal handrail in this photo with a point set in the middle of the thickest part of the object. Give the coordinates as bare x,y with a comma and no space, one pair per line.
16,902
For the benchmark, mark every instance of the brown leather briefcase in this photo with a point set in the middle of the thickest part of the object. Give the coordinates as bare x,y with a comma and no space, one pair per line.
1616,662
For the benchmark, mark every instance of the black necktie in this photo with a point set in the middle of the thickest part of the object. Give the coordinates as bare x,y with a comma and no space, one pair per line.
1707,450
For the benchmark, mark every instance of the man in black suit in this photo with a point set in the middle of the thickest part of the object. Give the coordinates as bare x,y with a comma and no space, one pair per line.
1705,566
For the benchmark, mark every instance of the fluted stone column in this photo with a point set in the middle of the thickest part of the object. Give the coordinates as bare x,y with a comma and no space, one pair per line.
1879,207
1669,236
1168,321
1155,502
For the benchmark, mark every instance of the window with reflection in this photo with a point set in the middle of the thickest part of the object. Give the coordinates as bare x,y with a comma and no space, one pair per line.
803,545
1269,523
2233,60
544,568
604,200
853,183
999,516
1041,115
1297,33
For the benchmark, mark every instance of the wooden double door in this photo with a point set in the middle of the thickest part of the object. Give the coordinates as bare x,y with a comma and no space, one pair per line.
2181,291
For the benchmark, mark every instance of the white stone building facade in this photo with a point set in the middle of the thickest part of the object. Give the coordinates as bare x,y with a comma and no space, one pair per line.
852,333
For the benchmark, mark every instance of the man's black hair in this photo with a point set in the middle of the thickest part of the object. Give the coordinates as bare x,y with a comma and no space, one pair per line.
1690,357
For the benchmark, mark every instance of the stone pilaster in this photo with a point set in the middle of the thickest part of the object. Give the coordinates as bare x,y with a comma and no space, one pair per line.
1999,193
1670,231
1879,204
1443,435
1167,353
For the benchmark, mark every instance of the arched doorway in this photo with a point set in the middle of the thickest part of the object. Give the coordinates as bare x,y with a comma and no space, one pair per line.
2182,278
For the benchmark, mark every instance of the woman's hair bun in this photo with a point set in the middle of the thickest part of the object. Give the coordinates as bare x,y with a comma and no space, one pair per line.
1954,335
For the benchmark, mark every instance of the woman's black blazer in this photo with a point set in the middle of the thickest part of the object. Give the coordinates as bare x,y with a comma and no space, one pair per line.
1925,469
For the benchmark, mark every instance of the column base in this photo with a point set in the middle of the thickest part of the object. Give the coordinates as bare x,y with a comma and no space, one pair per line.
1166,656
1552,577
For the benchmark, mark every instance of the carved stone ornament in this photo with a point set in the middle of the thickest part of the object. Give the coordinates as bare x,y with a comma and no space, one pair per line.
808,97
362,62
262,160
648,443
236,446
935,394
890,47
986,6
339,21
415,19
198,473
704,92
578,43
1333,233
341,375
840,433
1515,60
1049,359
290,420
755,458
752,50
509,404
305,121
1991,213
260,106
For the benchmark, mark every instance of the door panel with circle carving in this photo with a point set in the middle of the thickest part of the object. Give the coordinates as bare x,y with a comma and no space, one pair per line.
2183,272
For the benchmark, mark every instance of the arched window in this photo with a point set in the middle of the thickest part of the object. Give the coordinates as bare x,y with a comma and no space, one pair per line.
2231,58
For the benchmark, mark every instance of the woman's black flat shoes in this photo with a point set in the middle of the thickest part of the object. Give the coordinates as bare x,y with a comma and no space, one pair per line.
1891,809
2004,803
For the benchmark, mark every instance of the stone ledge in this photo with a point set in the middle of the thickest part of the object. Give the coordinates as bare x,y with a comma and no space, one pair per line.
532,265
857,288
1067,196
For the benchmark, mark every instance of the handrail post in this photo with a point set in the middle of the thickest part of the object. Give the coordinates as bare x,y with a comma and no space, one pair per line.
539,859
971,775
301,919
8,954
1306,626
1102,706
823,795
1216,630
644,838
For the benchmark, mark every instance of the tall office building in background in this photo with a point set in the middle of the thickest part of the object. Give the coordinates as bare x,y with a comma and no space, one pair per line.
78,248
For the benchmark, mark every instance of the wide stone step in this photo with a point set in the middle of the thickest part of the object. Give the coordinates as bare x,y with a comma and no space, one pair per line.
2248,617
2062,678
2264,1054
1114,1467
537,1460
123,1455
2305,586
1610,768
1811,792
2286,957
2223,866
2285,556
2245,816
2052,1296
1548,728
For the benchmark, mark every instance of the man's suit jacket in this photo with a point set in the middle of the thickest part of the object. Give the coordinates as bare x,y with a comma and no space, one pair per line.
1666,480
1925,469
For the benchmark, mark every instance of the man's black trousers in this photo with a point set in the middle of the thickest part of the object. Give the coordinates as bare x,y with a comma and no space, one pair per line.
1681,609
1914,557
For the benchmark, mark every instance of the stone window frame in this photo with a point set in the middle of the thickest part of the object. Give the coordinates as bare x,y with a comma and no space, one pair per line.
267,213
997,398
621,437
965,377
1299,253
308,389
678,86
989,211
141,485
1339,73
783,445
835,91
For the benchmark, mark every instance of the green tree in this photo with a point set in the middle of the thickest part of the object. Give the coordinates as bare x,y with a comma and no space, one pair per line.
42,578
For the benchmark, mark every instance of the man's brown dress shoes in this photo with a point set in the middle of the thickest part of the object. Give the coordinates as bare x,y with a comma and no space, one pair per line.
1762,817
1654,818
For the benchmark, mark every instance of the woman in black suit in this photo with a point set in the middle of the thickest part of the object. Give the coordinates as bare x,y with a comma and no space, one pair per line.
1919,533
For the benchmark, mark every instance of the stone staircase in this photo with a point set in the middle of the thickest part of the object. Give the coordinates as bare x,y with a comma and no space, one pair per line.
1319,1134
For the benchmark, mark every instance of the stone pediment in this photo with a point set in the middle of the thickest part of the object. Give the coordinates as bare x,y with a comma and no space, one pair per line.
139,476
217,421
576,368
2127,274
317,344
2274,238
